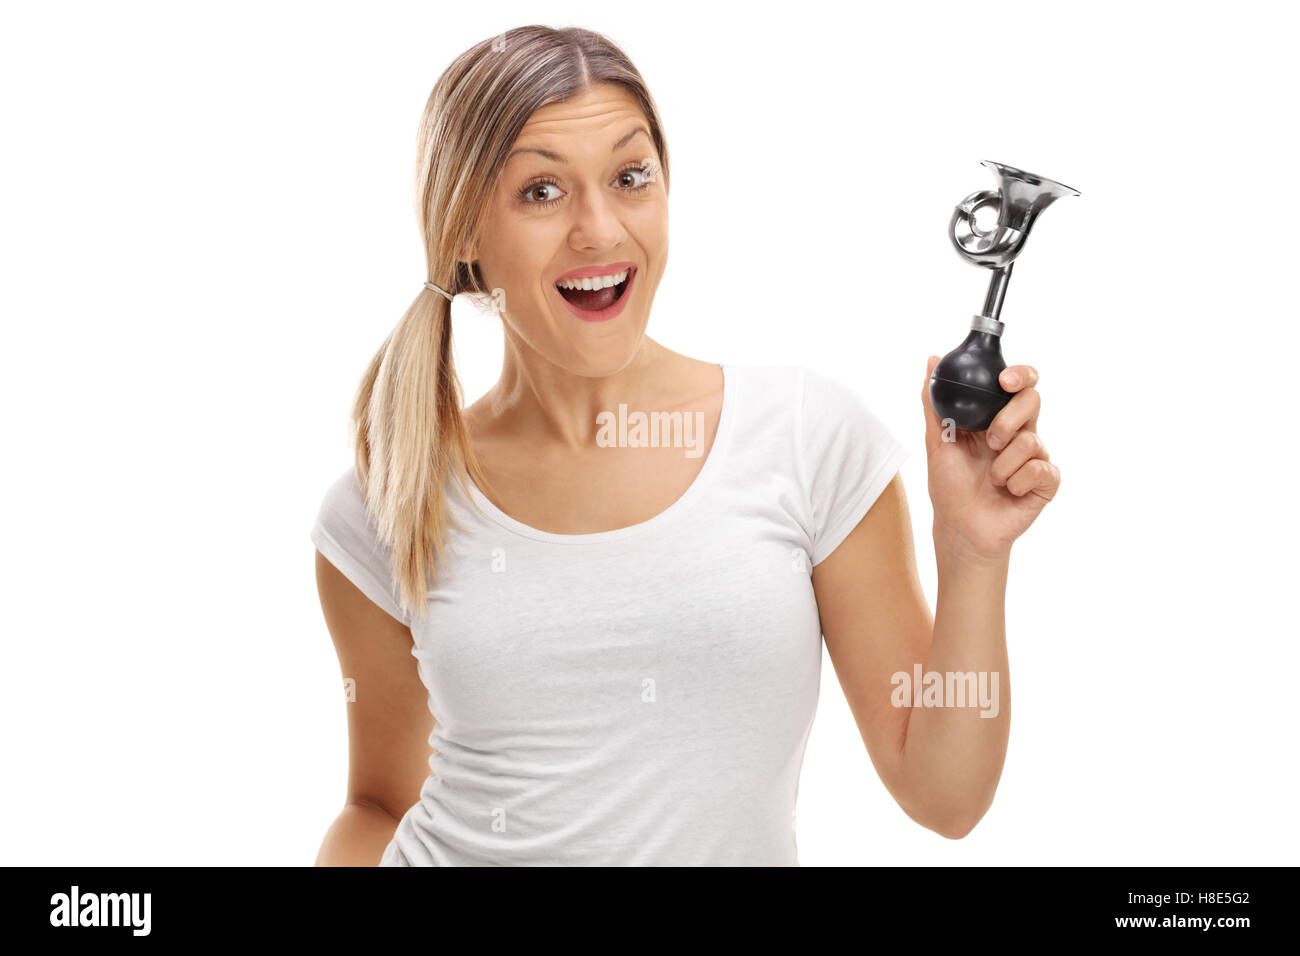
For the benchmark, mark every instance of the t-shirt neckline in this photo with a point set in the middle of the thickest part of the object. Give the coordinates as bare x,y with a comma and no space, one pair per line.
712,464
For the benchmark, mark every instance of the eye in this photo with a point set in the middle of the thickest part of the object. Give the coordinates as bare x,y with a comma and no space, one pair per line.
528,195
644,169
632,178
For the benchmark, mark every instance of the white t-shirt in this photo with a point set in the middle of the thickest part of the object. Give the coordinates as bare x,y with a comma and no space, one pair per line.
641,696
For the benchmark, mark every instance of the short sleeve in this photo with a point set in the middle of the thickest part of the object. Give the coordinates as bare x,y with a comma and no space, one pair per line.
345,534
848,458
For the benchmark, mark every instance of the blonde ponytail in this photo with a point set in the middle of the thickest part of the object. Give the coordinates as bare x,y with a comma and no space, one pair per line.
409,436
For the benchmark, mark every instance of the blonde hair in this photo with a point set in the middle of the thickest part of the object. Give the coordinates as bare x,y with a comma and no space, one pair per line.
406,416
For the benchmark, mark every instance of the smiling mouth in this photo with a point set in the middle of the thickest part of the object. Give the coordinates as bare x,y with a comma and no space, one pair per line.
593,299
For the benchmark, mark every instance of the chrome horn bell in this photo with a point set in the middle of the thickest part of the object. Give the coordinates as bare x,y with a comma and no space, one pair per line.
964,386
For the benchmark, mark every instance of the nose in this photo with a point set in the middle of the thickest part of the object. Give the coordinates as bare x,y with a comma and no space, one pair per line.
596,222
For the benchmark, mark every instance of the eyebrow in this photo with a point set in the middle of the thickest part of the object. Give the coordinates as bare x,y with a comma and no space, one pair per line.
560,158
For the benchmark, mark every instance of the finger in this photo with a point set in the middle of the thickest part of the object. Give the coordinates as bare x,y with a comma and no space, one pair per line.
1025,447
1020,412
1015,377
1037,476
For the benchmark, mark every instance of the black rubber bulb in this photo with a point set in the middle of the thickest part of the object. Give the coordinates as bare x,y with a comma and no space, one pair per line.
964,385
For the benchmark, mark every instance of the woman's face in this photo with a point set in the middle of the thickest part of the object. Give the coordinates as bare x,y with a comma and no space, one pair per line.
573,197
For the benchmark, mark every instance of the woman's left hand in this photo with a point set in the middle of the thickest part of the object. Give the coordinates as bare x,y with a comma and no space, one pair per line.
988,487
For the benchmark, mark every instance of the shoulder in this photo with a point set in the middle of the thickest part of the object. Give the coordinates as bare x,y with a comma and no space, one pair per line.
342,499
765,380
798,397
767,394
820,433
805,416
820,394
782,381
342,520
346,535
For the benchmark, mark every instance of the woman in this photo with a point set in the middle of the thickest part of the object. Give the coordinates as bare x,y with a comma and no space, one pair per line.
614,571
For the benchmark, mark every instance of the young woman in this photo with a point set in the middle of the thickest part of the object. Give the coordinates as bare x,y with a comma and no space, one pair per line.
615,570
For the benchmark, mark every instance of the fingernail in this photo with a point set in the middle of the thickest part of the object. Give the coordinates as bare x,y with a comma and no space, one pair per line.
1012,379
994,441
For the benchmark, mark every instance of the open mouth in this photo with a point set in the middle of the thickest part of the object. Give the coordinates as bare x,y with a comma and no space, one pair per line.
597,298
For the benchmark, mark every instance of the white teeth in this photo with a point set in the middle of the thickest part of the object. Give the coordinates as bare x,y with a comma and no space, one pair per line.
599,282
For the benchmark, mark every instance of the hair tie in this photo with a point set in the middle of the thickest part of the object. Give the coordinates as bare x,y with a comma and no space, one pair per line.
433,288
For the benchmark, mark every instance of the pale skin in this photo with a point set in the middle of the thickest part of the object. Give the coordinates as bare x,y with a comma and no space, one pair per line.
534,434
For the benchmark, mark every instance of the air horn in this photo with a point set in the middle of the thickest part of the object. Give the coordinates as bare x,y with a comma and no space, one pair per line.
964,386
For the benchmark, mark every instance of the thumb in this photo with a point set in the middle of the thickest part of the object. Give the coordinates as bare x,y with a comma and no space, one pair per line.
932,423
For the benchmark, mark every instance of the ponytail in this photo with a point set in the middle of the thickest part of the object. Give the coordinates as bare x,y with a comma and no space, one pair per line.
409,436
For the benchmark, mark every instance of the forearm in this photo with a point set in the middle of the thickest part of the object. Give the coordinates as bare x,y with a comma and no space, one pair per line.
952,756
357,837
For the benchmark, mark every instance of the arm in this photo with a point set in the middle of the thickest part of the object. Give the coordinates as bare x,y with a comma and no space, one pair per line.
388,723
941,764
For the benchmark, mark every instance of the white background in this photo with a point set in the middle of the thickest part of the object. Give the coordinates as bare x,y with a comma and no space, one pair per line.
207,229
